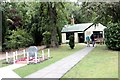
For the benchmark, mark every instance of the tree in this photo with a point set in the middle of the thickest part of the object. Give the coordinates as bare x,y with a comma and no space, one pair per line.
101,12
51,13
47,17
36,18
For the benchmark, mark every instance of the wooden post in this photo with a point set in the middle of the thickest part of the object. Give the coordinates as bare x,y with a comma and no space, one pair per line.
48,53
43,54
24,52
27,58
6,56
14,57
35,57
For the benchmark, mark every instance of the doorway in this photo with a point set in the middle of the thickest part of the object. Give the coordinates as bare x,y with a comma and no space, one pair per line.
81,37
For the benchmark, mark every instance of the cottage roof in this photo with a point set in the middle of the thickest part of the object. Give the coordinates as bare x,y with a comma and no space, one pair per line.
76,27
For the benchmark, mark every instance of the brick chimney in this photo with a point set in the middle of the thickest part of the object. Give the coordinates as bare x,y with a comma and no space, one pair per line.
72,20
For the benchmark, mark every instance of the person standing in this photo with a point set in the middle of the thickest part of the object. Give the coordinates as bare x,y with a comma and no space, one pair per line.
88,41
93,39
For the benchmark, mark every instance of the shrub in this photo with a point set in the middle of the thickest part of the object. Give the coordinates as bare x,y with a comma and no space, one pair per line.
18,39
71,41
47,38
112,36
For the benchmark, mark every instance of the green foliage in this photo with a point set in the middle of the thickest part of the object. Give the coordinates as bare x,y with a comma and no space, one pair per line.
35,18
18,39
36,32
101,12
47,38
112,36
71,41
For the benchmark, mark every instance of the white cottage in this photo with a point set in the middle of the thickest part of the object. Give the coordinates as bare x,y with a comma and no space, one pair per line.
80,31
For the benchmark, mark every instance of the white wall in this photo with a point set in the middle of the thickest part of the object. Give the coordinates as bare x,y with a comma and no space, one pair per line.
76,37
63,37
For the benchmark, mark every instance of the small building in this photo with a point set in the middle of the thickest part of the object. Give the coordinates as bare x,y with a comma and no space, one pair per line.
80,31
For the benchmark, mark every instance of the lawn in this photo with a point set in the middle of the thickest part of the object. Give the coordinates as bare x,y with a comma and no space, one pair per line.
3,65
99,63
57,54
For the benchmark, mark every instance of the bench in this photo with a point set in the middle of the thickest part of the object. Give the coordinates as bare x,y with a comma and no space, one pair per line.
99,41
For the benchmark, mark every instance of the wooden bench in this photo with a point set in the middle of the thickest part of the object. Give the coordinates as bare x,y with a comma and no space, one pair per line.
99,41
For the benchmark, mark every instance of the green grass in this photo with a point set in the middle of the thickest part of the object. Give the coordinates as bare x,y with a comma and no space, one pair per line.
99,63
3,65
57,54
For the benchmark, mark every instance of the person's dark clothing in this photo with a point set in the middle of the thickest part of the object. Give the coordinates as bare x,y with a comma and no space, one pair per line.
92,37
93,40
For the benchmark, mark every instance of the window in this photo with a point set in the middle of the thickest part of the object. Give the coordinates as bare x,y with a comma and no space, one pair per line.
68,34
98,34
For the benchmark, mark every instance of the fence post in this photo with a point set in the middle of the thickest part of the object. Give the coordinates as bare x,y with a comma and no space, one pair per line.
27,58
48,53
14,57
35,57
24,52
43,54
6,56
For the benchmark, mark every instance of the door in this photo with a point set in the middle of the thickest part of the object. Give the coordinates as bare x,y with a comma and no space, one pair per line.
81,37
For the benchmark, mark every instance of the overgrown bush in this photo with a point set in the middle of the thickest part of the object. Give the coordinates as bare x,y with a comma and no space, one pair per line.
71,41
17,39
112,36
47,38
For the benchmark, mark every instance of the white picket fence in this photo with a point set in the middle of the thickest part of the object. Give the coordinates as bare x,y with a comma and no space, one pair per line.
26,54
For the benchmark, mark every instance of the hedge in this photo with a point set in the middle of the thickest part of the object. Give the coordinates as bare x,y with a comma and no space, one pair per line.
112,36
71,41
18,39
47,38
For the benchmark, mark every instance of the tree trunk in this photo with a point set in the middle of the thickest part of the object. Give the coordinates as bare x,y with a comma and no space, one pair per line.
54,40
53,18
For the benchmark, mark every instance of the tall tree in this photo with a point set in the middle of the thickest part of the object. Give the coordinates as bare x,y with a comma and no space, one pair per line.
102,12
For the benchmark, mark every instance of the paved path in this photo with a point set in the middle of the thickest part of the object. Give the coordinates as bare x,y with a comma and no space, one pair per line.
7,72
59,68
